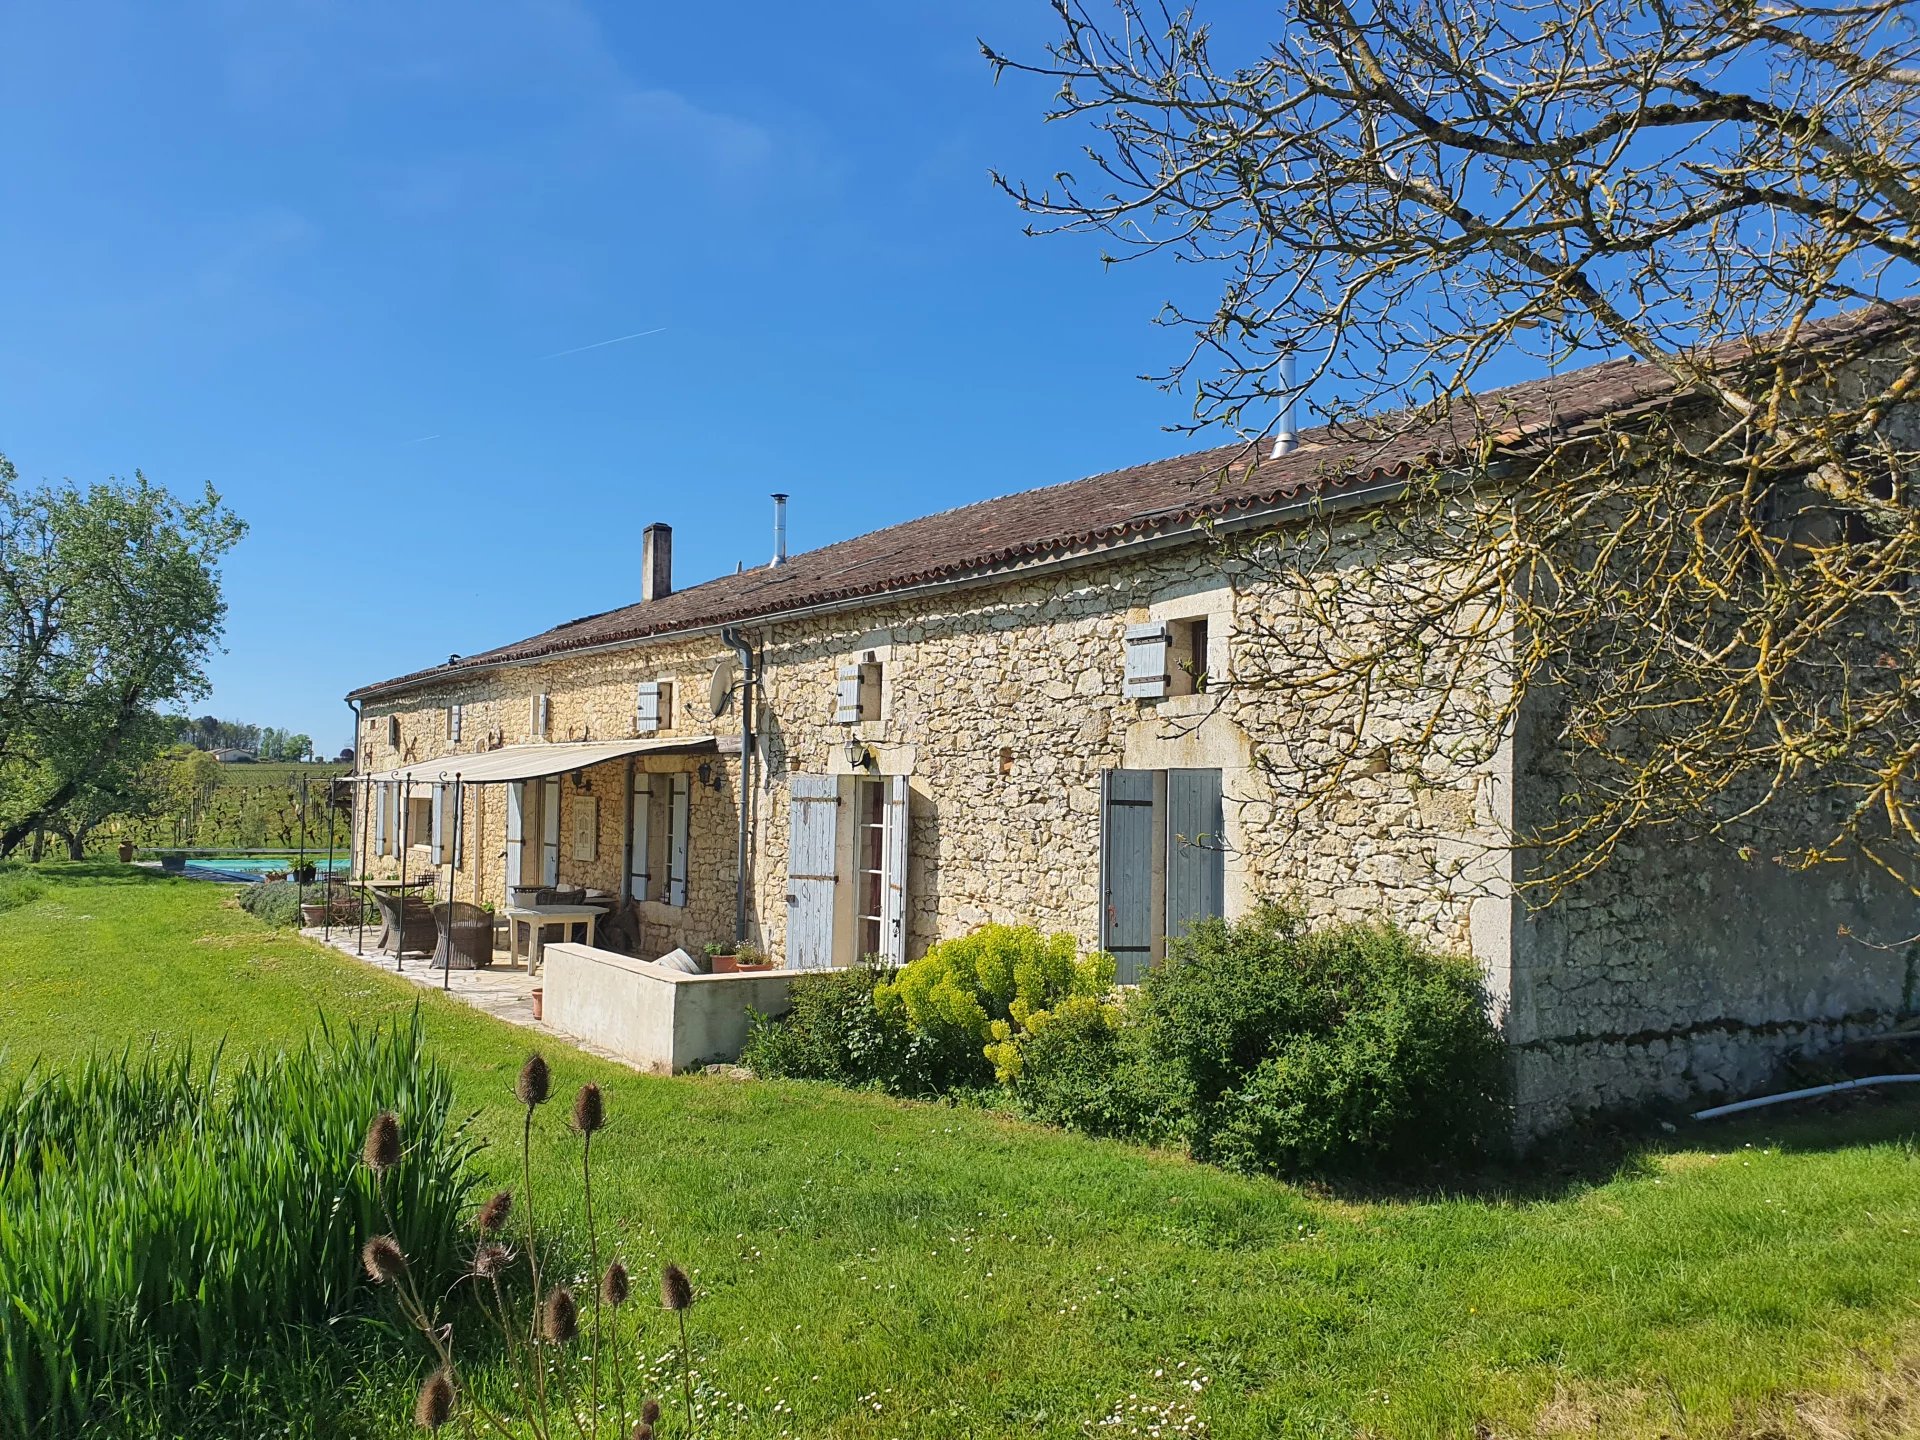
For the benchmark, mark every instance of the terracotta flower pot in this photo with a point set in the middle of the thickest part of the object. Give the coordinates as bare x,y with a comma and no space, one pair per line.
539,1009
724,964
312,915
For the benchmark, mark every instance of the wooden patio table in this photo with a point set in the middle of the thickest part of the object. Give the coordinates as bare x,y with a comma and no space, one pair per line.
539,919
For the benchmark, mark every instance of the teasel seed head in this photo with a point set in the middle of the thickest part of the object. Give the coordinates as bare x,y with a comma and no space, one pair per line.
492,1218
382,1148
491,1259
650,1412
589,1110
614,1287
642,1431
435,1404
383,1259
676,1291
560,1321
534,1082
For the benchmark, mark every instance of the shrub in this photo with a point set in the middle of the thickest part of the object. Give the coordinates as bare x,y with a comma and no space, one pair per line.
275,901
984,988
151,1220
1293,1049
1082,1065
834,1031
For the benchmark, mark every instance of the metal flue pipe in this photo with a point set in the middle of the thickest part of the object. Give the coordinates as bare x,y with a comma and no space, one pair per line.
1285,438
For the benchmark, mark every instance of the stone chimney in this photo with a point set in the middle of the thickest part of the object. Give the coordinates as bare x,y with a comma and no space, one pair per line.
656,562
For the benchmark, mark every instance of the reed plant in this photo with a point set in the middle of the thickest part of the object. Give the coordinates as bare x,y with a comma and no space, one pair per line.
555,1363
162,1212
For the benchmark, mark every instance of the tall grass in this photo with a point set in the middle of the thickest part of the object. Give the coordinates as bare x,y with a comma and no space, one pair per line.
19,887
160,1212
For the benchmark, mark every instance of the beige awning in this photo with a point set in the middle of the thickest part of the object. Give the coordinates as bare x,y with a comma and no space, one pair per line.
531,762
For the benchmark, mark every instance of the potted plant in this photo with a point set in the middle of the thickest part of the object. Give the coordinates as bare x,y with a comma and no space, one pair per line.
752,957
303,872
312,915
721,959
126,852
274,876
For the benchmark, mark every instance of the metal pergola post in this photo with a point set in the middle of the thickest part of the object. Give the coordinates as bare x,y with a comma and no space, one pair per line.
326,891
405,842
360,841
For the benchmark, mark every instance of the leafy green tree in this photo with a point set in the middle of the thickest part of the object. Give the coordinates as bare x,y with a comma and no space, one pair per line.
110,605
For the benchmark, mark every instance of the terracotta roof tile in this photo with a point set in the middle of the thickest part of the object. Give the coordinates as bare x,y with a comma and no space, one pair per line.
1099,510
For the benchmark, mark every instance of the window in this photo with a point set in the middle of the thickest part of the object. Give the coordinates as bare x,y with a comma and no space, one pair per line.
541,714
1187,651
419,819
870,866
454,720
393,732
658,836
550,829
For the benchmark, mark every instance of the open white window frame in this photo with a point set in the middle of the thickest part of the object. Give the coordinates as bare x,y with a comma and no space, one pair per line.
848,870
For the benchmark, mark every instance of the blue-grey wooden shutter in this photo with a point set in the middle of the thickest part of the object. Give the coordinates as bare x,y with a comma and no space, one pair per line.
646,707
679,806
640,837
1196,850
459,824
1146,677
813,822
539,718
1126,871
382,797
454,719
847,695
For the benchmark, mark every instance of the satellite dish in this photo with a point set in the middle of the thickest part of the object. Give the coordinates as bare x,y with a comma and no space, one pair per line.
720,688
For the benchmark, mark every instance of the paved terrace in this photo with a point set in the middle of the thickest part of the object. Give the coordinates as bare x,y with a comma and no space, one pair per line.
505,991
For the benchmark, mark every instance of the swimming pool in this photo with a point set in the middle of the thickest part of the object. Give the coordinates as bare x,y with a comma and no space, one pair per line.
255,867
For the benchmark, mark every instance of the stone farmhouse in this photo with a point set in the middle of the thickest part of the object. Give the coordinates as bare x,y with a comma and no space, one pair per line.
1025,710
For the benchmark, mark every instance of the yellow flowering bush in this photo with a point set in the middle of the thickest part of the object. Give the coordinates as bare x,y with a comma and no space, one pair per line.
974,995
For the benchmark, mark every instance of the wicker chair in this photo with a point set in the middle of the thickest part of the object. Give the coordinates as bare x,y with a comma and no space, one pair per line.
465,936
409,923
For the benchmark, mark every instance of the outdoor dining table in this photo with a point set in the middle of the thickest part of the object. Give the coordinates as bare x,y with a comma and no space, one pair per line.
539,919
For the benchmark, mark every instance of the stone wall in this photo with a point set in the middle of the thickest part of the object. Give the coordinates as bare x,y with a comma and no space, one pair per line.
591,697
1004,703
1688,968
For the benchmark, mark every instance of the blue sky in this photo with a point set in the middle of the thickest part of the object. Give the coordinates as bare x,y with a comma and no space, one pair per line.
326,257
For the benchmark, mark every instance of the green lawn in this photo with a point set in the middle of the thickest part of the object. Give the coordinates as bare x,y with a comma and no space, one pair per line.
872,1268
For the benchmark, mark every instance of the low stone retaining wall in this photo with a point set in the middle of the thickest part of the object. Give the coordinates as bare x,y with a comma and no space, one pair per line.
654,1017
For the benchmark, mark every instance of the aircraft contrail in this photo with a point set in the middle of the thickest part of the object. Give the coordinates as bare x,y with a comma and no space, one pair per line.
637,335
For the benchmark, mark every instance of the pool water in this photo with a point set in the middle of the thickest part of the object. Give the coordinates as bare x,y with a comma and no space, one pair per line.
253,867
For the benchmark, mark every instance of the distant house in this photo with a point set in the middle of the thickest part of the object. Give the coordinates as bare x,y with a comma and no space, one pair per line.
1024,710
233,755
